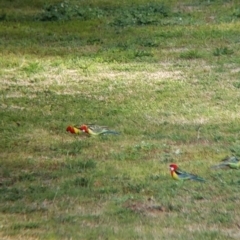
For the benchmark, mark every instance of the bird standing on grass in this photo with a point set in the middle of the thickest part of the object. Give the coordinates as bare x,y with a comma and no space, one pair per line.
95,130
230,162
180,175
73,130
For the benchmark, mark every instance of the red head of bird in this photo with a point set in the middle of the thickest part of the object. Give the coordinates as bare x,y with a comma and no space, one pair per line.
173,167
70,129
84,128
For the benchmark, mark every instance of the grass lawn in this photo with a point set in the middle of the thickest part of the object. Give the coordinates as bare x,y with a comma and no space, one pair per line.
166,74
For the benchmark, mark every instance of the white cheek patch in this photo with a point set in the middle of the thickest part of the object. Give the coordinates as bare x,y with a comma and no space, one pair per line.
171,168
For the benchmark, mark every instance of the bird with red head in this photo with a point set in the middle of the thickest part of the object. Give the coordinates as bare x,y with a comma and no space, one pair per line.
73,130
180,175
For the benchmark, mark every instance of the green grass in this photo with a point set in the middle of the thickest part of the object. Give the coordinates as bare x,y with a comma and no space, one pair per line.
165,75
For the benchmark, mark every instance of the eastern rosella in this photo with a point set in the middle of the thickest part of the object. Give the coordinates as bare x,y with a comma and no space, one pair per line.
180,175
73,130
96,130
231,162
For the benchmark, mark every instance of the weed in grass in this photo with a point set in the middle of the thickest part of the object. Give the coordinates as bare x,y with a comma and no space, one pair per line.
3,16
80,187
20,207
149,43
235,149
142,53
222,51
221,217
32,68
81,182
236,13
236,84
11,194
29,225
59,12
80,166
26,176
190,54
141,15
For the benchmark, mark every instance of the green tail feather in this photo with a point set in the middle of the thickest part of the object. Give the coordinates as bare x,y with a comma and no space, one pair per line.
197,178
